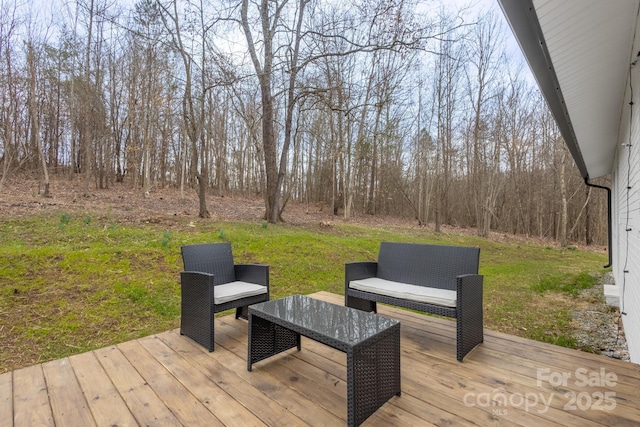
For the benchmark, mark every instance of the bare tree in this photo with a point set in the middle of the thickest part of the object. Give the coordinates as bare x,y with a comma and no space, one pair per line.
9,24
483,75
270,14
319,102
34,115
86,122
193,105
514,124
447,70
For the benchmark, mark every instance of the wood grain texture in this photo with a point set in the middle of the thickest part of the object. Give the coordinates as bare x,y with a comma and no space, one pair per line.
166,379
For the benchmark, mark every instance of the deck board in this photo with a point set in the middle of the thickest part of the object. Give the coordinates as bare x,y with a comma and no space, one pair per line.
140,398
6,398
106,404
68,404
168,380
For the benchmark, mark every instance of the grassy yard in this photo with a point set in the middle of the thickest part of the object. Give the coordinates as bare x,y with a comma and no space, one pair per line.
69,284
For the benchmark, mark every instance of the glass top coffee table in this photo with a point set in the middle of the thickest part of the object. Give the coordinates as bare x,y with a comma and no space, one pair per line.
371,342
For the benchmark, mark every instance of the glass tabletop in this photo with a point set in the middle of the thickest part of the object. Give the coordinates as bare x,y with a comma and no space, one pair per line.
341,323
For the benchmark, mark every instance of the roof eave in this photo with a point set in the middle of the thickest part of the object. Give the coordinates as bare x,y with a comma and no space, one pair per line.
522,18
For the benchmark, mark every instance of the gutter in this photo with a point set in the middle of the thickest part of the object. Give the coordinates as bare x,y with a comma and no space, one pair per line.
609,238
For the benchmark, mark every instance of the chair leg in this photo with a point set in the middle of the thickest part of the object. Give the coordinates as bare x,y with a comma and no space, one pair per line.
199,330
242,312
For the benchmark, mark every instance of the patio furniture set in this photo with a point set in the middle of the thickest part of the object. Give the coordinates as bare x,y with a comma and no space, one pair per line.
436,279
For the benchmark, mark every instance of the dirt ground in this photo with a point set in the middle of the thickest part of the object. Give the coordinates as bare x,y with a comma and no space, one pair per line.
23,196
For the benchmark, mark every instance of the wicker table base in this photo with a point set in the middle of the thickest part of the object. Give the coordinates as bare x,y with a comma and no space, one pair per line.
371,343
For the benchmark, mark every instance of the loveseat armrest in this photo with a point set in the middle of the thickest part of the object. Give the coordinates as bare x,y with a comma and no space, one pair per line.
253,273
470,330
356,271
469,289
359,270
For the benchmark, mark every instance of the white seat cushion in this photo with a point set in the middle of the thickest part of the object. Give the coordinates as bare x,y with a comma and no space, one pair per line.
405,291
236,290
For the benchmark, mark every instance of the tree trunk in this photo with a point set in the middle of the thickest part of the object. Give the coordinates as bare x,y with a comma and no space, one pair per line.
87,133
269,146
264,72
588,238
563,200
193,115
35,119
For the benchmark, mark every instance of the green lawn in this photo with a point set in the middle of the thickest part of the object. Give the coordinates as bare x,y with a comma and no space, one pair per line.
71,284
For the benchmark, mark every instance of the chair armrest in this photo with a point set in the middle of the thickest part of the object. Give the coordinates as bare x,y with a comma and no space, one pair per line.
196,287
253,273
197,307
192,277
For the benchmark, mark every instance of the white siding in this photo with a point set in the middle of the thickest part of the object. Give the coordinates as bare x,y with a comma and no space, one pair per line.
626,213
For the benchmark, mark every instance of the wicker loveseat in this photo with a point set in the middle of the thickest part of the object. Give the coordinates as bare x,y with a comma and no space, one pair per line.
436,279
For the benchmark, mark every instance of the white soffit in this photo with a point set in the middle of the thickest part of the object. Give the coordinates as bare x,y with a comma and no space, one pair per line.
589,43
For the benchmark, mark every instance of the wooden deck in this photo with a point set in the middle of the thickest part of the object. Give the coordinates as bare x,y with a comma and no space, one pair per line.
166,380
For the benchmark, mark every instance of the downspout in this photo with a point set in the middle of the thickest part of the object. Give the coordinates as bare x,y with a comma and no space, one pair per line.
586,181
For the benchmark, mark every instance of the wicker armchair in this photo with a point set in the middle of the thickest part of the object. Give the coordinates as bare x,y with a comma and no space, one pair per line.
211,283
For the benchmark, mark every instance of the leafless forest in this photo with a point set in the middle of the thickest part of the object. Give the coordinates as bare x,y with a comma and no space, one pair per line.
394,107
